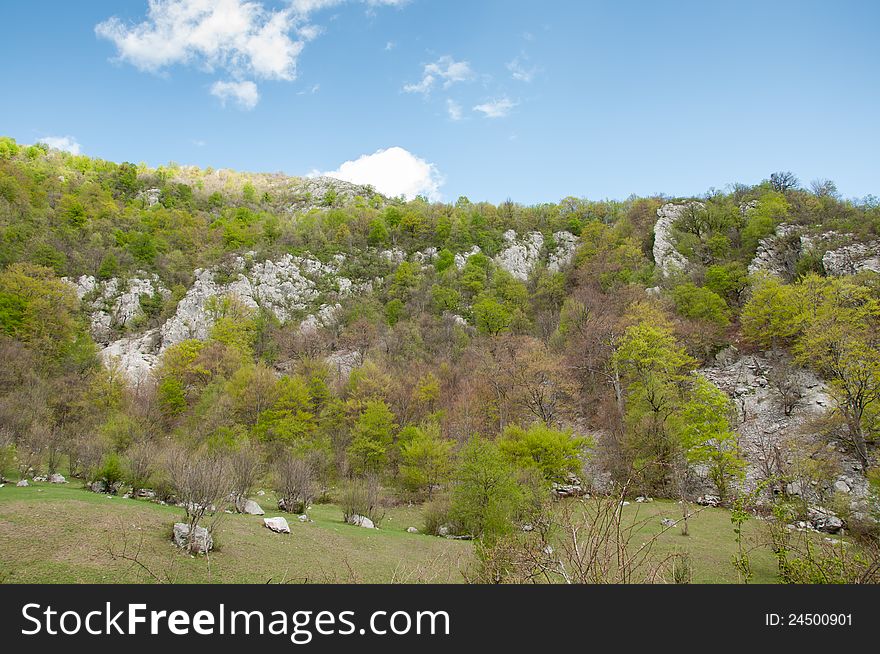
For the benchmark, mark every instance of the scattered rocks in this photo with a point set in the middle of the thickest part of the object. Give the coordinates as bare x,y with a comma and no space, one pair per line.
278,525
361,521
200,543
709,500
822,519
573,487
642,499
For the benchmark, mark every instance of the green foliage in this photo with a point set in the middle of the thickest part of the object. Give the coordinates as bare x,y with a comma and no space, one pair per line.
491,316
700,303
372,437
485,497
425,460
554,453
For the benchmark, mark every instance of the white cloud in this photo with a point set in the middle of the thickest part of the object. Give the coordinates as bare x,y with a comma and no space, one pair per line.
311,91
244,38
66,143
446,69
519,70
454,110
393,172
496,108
244,93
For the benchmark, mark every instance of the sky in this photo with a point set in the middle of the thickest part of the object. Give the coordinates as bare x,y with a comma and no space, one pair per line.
532,100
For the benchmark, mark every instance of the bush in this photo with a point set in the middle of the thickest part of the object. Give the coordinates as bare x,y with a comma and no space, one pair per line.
294,484
111,472
362,497
436,515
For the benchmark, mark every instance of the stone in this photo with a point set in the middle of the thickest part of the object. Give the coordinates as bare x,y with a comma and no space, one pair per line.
709,500
412,530
278,525
667,522
443,530
666,257
852,259
98,486
57,478
304,518
202,542
566,245
361,521
822,519
22,483
249,507
41,478
841,486
520,256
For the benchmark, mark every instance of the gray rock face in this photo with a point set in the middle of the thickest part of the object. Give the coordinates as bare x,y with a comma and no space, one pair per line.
278,525
777,254
666,257
361,521
852,259
115,304
566,246
200,543
136,356
312,191
520,256
462,257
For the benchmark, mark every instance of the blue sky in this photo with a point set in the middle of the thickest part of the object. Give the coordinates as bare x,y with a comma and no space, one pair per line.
532,100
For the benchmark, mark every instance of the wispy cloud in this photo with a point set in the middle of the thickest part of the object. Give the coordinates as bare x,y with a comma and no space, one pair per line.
245,94
520,70
498,108
454,110
446,70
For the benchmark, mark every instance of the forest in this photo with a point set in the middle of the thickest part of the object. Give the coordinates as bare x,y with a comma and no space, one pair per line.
518,374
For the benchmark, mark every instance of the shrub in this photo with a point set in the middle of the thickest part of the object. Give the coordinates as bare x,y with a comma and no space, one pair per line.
362,497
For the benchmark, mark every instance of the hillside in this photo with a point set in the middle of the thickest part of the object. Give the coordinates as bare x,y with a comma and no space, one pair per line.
198,334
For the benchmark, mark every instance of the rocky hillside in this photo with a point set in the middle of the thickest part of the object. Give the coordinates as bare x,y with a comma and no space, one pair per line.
712,347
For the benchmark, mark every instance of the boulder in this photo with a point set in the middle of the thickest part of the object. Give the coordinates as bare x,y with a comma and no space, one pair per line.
709,500
22,483
361,521
201,542
56,478
667,522
41,478
98,487
823,519
443,530
278,525
244,505
841,486
412,530
304,518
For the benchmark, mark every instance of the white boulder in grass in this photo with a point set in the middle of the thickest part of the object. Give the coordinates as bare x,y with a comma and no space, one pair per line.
249,507
278,525
361,521
22,483
201,542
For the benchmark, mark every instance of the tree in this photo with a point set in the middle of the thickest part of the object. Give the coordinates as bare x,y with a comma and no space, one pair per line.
201,481
555,453
491,316
426,460
702,426
699,303
784,181
486,496
372,436
294,483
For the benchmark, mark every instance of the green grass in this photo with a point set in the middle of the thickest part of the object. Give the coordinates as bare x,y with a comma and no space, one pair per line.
55,534
65,534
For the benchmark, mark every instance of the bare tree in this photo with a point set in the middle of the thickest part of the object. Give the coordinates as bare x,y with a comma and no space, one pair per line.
824,188
201,482
787,381
784,181
246,467
140,464
294,483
